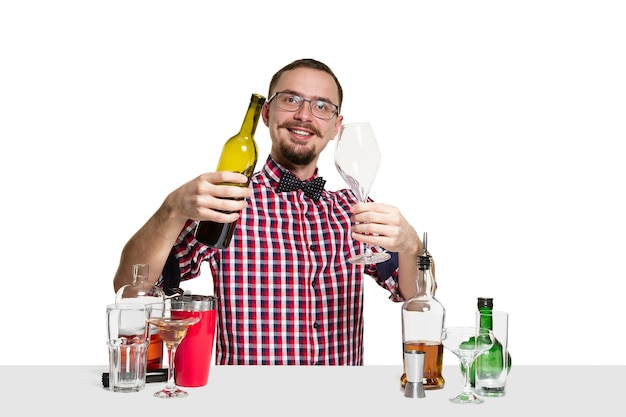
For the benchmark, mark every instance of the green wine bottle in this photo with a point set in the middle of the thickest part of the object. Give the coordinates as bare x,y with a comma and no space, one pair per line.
238,155
492,361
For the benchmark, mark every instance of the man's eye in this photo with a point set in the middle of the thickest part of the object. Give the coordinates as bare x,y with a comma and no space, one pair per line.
320,105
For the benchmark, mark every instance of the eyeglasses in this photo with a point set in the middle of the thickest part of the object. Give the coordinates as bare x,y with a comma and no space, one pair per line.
291,102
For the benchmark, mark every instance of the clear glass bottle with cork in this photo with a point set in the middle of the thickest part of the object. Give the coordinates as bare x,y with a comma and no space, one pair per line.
144,292
423,319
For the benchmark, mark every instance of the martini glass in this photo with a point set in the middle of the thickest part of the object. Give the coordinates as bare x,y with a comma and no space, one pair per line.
172,331
467,343
357,158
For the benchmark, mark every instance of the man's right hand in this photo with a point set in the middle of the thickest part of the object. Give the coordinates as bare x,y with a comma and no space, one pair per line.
211,196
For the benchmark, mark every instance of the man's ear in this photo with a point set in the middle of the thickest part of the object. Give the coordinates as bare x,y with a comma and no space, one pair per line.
265,113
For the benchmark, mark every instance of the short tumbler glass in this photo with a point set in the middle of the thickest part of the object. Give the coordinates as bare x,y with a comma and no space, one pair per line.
128,341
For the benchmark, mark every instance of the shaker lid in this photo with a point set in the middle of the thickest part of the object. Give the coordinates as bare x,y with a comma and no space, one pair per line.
195,302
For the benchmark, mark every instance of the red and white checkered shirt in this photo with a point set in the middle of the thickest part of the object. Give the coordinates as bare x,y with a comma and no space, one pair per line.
287,294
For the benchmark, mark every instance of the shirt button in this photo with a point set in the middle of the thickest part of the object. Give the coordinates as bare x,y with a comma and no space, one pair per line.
314,284
312,247
316,325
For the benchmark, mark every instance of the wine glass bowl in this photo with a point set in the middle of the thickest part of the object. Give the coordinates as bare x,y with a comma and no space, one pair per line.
357,159
172,330
467,343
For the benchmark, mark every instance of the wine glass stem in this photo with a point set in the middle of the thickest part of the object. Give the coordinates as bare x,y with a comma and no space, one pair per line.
171,384
467,388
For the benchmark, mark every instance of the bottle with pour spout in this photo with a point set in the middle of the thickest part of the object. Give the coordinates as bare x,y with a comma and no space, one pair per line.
143,292
238,155
423,322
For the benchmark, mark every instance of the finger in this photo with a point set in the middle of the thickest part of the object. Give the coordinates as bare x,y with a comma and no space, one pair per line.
230,191
375,240
372,217
225,176
221,210
372,206
221,217
371,229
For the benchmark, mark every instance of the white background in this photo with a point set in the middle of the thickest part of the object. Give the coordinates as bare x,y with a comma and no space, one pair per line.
501,125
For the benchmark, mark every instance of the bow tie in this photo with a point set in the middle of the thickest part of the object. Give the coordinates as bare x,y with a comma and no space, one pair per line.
312,189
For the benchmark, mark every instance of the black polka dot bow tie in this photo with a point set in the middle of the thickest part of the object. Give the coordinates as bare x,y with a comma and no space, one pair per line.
312,189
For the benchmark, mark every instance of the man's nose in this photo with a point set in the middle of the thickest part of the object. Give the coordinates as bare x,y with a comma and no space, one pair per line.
304,112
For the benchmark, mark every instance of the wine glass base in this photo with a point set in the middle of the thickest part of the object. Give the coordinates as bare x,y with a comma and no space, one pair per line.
366,259
171,393
465,398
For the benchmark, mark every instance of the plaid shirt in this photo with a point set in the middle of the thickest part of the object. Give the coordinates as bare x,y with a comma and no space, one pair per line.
287,294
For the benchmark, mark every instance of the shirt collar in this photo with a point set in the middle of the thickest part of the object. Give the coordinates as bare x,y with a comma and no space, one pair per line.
274,171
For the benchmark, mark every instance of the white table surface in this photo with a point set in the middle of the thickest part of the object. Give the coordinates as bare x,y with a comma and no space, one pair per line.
311,391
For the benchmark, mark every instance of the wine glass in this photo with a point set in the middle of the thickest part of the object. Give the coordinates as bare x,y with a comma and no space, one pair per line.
357,158
467,343
172,330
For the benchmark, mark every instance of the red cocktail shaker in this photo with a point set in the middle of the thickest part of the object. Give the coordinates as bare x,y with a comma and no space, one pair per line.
193,356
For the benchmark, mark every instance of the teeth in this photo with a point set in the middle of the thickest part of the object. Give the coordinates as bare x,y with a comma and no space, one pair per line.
300,132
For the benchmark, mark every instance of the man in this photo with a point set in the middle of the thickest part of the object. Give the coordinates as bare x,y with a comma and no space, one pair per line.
286,293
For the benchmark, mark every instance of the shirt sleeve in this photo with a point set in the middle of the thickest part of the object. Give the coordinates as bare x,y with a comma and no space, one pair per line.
386,275
183,262
170,278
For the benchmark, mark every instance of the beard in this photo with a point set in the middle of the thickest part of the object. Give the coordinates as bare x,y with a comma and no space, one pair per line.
297,155
297,158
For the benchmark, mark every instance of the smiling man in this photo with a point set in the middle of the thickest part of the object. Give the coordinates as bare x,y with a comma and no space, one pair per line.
287,294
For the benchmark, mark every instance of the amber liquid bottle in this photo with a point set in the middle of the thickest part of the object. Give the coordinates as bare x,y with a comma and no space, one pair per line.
422,323
238,155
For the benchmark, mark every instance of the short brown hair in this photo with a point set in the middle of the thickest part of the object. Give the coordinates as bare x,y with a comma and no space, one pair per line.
307,63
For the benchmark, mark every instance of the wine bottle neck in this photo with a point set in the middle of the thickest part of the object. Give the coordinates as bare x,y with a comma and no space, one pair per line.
251,120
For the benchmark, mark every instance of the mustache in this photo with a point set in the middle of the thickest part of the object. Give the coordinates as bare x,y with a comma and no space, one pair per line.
293,125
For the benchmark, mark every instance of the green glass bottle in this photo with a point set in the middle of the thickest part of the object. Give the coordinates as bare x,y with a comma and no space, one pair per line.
493,359
238,155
